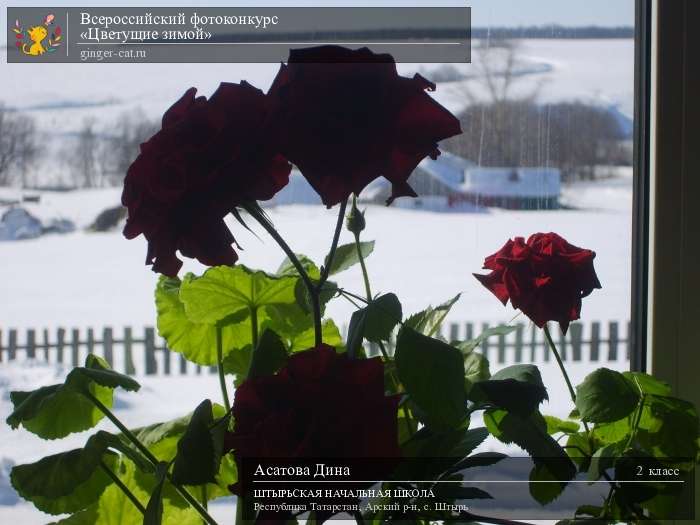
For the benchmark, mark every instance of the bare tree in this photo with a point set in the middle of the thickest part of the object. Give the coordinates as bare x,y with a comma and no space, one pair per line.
18,146
496,70
122,142
82,156
505,126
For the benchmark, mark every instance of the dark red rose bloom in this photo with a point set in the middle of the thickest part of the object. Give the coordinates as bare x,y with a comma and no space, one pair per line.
545,277
355,119
320,405
210,156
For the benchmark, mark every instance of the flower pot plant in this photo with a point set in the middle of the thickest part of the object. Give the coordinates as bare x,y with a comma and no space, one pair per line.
404,417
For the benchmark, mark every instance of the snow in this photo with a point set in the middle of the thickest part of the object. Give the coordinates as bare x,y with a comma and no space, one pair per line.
86,279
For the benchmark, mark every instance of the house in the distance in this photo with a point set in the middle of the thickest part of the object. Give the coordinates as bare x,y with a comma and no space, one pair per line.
452,183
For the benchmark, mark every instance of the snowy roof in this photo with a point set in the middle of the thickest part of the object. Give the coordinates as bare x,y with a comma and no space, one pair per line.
513,182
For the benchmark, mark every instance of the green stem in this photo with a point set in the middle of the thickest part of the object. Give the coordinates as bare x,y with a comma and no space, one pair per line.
572,392
365,275
334,245
243,511
239,510
242,502
254,327
123,488
154,461
313,293
220,367
355,296
205,498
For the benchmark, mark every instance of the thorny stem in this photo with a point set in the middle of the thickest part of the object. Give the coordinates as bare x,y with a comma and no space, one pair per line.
119,483
154,461
220,363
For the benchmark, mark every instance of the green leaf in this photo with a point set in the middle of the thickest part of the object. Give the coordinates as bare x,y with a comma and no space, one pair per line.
162,441
154,509
429,321
346,256
556,425
607,433
223,291
153,434
66,482
306,339
374,322
198,458
97,370
433,374
455,444
602,460
269,356
578,448
115,508
196,341
648,384
446,451
238,363
56,411
589,510
517,389
287,268
530,434
604,396
546,492
476,368
470,345
669,428
86,516
482,459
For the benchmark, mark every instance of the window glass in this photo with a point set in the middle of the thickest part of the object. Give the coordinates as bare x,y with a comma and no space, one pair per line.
546,109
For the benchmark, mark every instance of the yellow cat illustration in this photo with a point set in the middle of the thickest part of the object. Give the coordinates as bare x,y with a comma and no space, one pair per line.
37,34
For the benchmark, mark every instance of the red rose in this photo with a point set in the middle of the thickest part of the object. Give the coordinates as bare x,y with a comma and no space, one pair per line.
210,156
320,405
355,119
545,278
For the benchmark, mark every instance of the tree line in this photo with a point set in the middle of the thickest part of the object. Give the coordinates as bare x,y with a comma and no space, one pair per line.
92,156
504,125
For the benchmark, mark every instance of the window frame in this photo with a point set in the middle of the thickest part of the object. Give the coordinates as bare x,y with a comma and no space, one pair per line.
674,189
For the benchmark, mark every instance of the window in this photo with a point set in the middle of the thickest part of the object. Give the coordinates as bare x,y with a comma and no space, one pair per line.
549,120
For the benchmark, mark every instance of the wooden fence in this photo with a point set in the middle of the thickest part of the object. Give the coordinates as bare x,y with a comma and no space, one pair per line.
124,350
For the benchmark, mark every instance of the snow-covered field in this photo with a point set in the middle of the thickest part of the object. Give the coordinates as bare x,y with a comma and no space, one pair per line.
86,279
565,69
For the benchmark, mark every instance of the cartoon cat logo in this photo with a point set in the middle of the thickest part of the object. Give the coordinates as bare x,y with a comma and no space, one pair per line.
37,35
